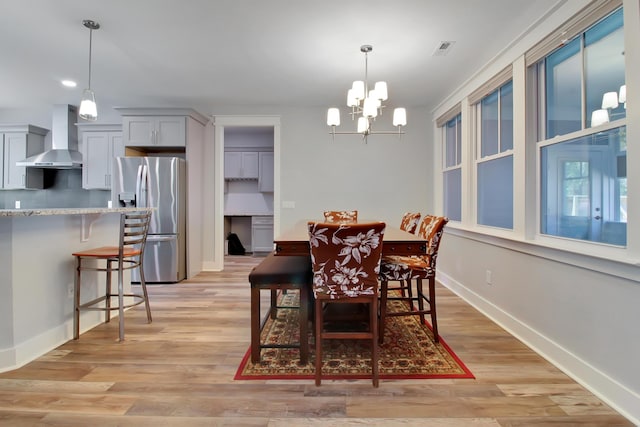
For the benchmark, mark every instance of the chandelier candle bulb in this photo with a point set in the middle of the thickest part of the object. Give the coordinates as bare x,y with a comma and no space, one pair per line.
381,90
352,101
400,117
363,125
333,117
599,117
610,100
622,97
370,108
358,89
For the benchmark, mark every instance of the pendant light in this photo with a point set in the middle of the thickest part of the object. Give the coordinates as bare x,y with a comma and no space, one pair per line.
88,109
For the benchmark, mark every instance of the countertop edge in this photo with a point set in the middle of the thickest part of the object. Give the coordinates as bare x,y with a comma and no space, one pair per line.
65,211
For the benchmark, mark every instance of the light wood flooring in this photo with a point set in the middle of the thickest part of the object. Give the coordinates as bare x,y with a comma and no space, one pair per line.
178,371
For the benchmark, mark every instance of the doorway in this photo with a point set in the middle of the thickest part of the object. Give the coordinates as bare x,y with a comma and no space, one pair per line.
227,128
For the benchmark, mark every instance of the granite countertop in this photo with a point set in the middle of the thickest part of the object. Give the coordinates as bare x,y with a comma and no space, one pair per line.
66,211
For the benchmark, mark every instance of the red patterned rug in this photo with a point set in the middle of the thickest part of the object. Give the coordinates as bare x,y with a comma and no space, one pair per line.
408,352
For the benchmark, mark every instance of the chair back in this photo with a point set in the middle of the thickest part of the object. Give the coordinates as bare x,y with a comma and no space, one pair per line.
346,258
410,221
134,228
431,229
341,216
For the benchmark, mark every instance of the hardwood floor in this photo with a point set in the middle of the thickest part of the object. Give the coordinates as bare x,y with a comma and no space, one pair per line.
178,371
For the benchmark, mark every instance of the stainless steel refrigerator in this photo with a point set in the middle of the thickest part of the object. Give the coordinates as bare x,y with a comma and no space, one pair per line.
158,182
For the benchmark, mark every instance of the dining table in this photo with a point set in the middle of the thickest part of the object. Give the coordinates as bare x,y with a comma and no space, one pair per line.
295,241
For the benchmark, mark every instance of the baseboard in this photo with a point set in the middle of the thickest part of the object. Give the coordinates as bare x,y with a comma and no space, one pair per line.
614,394
27,351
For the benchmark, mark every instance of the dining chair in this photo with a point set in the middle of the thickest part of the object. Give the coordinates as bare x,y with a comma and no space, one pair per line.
129,254
418,268
408,223
341,216
345,259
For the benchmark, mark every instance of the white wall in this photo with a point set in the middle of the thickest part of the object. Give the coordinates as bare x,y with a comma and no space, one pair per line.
581,311
381,179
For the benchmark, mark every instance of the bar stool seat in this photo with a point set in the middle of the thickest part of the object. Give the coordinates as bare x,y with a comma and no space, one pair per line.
276,273
127,255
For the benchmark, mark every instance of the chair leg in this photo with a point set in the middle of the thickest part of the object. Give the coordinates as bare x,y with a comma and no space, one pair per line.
76,300
303,316
384,289
318,309
143,284
274,304
410,293
420,296
432,308
107,292
373,326
120,304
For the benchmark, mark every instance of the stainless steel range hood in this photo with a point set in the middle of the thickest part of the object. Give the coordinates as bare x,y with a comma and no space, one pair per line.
64,152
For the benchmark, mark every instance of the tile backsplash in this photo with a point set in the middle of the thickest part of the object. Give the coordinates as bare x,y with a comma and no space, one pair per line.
63,189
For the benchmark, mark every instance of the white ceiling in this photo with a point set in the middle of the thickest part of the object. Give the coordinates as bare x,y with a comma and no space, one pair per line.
207,54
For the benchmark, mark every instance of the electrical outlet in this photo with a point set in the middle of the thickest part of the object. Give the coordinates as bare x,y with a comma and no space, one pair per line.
70,290
488,277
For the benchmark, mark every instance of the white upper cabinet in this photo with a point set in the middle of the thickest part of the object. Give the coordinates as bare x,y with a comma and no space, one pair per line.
241,165
99,148
154,131
17,143
265,180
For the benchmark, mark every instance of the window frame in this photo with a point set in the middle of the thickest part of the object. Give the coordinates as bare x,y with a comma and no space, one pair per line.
500,81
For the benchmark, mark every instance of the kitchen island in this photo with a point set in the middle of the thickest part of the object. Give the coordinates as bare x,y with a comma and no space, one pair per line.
37,274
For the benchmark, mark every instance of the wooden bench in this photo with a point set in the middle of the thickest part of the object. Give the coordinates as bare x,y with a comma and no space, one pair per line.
277,273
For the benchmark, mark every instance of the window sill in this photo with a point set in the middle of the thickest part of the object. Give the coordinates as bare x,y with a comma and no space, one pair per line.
607,259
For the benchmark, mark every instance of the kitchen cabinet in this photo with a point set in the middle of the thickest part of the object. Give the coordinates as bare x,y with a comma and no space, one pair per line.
99,148
17,143
265,178
154,131
241,165
262,233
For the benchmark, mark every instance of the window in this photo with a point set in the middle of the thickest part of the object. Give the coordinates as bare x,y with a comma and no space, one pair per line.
452,171
582,135
495,160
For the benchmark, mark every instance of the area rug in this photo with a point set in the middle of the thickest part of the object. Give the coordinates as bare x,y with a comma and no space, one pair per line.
408,352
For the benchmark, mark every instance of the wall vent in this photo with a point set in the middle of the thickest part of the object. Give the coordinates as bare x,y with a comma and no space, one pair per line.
443,48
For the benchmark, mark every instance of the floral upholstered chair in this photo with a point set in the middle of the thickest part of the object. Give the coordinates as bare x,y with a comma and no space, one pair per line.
342,217
410,221
418,268
346,263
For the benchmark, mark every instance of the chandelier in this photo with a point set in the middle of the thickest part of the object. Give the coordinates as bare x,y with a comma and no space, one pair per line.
366,104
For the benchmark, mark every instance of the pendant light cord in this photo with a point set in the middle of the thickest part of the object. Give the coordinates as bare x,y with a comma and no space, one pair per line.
90,46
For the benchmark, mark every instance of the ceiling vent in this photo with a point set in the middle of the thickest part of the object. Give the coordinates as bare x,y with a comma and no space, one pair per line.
443,48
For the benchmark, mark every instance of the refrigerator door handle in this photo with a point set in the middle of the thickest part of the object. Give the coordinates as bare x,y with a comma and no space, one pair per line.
139,186
156,238
145,187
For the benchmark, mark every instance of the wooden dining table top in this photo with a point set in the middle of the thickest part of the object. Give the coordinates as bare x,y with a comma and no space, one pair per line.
295,241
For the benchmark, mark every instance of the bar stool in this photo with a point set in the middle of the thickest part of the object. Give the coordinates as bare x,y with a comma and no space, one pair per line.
134,227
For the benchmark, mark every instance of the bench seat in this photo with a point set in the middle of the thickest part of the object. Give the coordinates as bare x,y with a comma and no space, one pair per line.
277,273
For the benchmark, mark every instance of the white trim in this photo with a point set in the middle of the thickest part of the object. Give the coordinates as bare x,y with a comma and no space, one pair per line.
219,122
614,394
598,257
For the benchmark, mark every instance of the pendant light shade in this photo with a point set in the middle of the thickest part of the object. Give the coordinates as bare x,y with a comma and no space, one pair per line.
88,109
